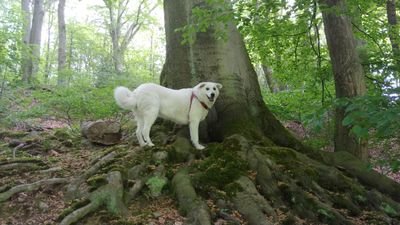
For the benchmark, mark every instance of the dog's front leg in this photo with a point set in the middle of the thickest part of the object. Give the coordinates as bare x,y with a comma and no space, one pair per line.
194,134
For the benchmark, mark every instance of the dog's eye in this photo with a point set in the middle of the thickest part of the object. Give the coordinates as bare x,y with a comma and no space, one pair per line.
207,89
214,89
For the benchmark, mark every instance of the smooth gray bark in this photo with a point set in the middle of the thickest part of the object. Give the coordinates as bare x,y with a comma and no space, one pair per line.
347,70
393,33
27,22
62,44
240,107
34,42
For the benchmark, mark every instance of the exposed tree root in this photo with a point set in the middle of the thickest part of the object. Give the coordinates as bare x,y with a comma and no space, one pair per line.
285,179
79,213
266,184
134,190
135,175
181,148
360,170
251,204
17,148
110,195
191,205
20,166
30,187
73,188
51,170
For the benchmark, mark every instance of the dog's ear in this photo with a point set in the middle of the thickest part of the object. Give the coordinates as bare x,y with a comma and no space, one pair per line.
219,86
201,85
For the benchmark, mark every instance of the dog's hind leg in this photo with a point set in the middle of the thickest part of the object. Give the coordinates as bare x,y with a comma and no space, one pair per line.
139,130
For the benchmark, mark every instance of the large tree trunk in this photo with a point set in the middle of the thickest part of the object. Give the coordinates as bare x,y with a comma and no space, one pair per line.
347,70
34,42
62,44
241,110
226,62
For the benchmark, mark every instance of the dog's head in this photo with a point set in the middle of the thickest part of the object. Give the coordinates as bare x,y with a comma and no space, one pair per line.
208,91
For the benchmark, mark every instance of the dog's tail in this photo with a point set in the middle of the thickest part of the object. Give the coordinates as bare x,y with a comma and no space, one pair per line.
124,98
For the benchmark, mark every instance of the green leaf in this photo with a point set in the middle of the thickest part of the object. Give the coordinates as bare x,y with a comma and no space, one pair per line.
389,209
395,166
348,120
359,131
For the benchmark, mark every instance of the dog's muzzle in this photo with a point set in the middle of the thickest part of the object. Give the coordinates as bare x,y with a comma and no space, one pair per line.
211,98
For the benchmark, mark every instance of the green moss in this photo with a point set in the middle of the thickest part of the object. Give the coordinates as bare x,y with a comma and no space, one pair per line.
222,167
12,134
289,220
281,154
62,134
232,188
307,207
180,151
123,222
345,202
116,165
96,181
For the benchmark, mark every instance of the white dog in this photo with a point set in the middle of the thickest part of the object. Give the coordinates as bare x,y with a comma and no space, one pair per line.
183,106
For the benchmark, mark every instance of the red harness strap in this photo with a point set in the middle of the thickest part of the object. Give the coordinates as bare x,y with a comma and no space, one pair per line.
202,103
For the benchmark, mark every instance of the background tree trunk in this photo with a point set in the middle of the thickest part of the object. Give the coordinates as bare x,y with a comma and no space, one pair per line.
394,33
62,44
117,24
347,70
34,42
270,80
27,22
48,63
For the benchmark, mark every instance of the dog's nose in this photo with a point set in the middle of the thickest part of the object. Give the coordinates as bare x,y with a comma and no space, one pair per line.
212,95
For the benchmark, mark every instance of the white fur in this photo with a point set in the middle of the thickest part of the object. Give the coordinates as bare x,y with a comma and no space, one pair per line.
149,101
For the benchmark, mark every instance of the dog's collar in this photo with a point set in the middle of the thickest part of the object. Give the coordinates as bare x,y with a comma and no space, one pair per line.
205,106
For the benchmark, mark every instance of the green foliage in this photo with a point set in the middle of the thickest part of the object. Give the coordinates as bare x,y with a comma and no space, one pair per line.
80,102
377,115
10,36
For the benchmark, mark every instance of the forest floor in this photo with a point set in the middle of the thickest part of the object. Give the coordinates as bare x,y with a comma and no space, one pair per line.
63,154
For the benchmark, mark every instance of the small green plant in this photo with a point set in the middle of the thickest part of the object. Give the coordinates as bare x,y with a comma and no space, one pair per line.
156,184
389,209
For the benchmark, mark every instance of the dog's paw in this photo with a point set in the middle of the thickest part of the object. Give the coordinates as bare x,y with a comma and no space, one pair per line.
199,147
150,144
